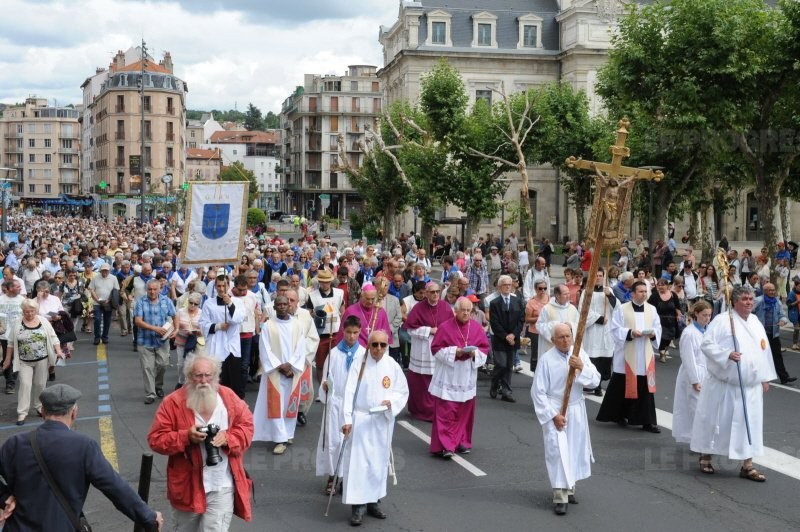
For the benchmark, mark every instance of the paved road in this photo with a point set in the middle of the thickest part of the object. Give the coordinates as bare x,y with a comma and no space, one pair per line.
640,479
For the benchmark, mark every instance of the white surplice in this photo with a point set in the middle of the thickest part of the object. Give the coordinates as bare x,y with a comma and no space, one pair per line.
692,371
597,339
220,344
366,457
551,315
455,380
336,374
619,333
292,350
719,426
420,357
547,393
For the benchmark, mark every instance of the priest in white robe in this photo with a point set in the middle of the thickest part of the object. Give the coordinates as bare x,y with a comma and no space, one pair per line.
597,339
719,424
282,350
691,374
343,356
567,446
376,392
558,310
220,320
636,330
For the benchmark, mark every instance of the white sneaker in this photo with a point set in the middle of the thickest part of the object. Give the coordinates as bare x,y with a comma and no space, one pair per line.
518,368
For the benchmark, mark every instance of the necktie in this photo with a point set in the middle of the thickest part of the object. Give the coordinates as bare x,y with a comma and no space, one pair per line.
508,302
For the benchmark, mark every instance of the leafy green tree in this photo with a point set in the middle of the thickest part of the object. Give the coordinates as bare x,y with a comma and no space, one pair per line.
252,118
443,99
255,217
237,172
272,121
717,69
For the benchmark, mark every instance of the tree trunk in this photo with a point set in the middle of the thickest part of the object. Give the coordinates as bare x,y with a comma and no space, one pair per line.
767,196
695,224
580,213
707,240
786,220
389,221
524,199
661,207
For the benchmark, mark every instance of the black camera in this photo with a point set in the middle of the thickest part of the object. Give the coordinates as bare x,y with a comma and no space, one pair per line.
212,452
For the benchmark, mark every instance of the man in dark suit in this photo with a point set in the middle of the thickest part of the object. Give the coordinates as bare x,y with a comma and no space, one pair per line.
506,316
74,460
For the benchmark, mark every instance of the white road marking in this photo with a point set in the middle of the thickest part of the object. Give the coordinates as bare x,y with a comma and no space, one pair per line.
427,439
783,463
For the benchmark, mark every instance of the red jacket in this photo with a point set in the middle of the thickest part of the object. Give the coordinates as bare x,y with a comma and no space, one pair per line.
169,435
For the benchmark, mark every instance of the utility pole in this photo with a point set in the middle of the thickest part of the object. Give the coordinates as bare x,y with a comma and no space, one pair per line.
141,158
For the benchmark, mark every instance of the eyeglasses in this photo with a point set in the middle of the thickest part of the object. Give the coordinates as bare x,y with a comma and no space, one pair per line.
379,344
541,288
194,304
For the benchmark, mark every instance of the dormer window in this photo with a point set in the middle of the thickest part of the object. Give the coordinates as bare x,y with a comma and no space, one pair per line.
530,31
484,30
439,28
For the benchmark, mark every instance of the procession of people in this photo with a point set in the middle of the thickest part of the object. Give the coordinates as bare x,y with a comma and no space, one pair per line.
304,321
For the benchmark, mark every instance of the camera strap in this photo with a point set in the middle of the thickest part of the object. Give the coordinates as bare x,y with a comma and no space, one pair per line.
76,522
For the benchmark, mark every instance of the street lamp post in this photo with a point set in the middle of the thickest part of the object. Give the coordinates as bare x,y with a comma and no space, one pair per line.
141,158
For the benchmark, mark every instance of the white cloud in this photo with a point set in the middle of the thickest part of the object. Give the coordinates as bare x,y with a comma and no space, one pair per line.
257,53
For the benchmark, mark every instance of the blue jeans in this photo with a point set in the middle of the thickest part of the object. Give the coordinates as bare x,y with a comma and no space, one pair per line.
106,315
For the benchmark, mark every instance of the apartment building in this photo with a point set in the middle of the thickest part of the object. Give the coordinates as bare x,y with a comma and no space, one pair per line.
41,152
312,119
134,136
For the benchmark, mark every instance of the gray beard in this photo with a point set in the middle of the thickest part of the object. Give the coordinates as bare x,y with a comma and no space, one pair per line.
201,398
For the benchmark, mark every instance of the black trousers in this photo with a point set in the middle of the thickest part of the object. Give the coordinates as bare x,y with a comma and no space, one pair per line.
503,368
8,373
777,359
231,375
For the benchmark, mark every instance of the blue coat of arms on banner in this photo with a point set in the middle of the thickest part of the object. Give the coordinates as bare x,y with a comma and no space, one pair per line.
215,220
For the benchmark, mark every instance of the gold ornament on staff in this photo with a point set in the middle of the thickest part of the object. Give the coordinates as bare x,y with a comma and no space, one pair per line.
613,190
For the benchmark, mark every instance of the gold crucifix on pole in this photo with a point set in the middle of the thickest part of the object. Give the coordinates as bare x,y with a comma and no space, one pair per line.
614,187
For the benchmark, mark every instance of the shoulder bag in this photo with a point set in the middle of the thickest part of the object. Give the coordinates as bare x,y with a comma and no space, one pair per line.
79,523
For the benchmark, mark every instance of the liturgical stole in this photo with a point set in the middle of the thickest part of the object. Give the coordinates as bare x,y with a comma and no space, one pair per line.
632,357
301,384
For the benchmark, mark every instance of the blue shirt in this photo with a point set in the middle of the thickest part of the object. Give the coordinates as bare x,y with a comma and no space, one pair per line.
154,313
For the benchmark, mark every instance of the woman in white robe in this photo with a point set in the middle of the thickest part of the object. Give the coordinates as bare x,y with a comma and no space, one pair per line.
691,374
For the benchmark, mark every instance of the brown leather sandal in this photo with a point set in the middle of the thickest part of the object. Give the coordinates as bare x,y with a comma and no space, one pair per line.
705,465
751,473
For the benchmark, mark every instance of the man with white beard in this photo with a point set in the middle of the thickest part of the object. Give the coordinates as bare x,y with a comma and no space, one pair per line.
204,496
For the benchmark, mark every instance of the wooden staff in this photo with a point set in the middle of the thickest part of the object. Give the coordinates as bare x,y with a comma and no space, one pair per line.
587,302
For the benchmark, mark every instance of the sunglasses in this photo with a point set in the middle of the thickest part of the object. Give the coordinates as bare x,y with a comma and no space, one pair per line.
379,344
541,288
194,304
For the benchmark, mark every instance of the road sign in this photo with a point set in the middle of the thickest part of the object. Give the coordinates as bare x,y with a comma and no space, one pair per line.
102,185
134,163
416,210
325,196
325,201
185,186
6,185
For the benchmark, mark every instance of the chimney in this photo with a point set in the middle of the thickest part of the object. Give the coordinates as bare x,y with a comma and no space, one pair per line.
167,62
118,62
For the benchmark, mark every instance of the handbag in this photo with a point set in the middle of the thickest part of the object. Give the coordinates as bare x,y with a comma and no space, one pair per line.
114,298
79,523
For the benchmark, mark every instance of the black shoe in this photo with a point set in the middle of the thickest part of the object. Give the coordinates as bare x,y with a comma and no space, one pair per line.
572,499
105,340
301,419
651,428
373,510
149,400
447,455
135,348
560,508
10,390
623,422
790,379
598,392
463,450
357,515
160,392
96,341
508,399
20,422
51,374
493,391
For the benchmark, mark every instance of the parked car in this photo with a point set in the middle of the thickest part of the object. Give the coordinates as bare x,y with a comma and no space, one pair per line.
276,215
287,218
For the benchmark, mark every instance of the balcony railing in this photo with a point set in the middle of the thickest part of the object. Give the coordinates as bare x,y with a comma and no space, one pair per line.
62,164
119,135
170,137
170,110
119,161
170,163
147,136
119,109
67,150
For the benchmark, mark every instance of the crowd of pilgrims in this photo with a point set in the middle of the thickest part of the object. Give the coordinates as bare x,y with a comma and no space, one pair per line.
55,260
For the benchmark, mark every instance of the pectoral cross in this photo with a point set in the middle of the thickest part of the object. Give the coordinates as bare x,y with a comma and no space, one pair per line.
612,201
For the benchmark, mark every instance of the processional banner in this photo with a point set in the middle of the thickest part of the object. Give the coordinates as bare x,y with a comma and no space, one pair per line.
215,223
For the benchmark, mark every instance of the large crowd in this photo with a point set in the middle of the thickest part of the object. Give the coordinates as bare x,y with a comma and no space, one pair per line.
307,316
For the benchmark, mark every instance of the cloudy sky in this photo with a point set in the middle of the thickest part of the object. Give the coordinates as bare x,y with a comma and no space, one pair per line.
230,52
